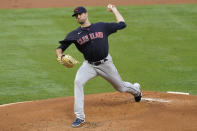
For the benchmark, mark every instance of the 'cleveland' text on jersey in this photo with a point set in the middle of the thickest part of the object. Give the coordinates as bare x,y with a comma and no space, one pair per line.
92,41
92,36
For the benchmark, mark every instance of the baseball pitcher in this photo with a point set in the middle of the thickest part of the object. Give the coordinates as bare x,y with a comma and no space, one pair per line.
91,39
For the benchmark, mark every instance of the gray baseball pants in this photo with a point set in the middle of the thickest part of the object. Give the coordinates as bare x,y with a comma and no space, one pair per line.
108,71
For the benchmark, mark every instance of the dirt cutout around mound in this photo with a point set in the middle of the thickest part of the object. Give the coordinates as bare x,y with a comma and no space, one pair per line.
73,3
104,112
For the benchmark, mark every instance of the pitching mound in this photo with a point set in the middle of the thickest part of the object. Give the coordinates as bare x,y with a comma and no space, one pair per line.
105,112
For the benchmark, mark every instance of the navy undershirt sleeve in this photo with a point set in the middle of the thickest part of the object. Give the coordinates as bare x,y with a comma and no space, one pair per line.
113,27
64,45
70,38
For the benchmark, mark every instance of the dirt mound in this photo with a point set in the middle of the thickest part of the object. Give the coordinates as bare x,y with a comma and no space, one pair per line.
105,112
69,3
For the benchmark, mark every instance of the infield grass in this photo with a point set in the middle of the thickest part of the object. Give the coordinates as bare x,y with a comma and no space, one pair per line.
157,49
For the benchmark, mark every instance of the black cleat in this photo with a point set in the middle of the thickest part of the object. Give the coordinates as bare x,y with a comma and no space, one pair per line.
138,98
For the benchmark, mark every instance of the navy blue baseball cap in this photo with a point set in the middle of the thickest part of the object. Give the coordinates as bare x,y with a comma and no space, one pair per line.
79,10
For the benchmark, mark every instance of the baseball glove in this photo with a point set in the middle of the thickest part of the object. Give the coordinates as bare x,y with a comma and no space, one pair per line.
67,61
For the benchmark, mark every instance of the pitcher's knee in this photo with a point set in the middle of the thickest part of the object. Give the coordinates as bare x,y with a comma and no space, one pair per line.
78,82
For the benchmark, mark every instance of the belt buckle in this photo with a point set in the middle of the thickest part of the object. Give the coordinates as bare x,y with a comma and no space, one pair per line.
98,62
102,61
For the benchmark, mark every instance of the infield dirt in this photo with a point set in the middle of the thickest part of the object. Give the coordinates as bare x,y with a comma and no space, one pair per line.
74,3
104,112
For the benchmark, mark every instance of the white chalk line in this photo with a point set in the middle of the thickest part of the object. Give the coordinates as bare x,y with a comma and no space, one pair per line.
156,100
181,93
14,103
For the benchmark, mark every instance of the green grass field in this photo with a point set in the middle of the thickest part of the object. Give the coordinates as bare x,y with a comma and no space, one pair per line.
157,49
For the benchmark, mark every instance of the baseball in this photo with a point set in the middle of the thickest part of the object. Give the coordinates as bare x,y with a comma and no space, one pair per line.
109,6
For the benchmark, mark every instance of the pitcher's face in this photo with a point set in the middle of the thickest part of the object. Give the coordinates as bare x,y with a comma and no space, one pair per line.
81,18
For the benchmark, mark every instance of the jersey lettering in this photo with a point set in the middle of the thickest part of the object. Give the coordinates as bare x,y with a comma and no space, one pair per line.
85,38
99,34
96,35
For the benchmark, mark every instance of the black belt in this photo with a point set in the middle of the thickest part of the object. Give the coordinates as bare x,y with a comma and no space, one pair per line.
96,63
